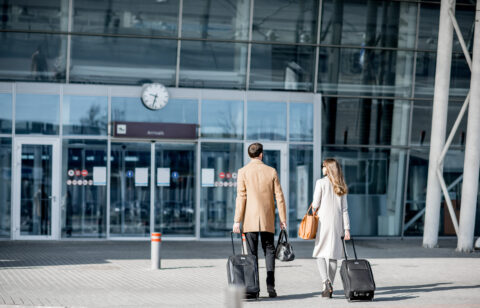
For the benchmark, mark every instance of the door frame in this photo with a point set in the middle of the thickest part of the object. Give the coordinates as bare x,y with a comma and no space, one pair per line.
283,172
56,178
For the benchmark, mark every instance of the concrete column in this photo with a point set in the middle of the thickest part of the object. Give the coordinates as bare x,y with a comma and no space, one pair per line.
472,151
439,123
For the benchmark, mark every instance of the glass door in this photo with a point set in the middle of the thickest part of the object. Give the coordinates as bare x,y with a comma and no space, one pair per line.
275,156
36,178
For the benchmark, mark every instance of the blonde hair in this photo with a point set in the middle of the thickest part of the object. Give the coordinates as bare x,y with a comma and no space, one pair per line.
335,175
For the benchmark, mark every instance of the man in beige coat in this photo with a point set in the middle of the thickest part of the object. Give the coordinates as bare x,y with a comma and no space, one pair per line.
257,185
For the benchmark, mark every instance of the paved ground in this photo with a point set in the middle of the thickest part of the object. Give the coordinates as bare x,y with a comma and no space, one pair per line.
112,274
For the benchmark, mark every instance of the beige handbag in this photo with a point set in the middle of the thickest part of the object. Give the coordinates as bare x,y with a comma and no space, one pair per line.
309,225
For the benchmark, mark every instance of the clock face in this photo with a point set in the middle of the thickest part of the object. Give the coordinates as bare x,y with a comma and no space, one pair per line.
154,96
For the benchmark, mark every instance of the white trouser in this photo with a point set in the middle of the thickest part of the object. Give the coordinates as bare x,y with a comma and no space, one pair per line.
327,273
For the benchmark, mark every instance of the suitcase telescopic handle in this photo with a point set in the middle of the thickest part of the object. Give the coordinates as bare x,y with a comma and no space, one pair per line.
241,239
345,248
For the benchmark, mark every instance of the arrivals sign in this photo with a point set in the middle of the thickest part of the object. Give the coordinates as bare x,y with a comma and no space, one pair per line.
154,130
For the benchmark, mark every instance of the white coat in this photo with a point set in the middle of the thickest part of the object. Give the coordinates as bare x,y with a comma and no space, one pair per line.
333,220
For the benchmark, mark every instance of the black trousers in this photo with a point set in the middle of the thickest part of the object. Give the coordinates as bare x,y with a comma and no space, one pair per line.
268,246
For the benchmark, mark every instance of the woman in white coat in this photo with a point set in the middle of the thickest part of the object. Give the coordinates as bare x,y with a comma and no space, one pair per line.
330,203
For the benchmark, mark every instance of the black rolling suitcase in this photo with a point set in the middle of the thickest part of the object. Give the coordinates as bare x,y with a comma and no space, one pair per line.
357,277
243,270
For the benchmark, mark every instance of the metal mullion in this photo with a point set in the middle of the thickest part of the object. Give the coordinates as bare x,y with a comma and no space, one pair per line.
13,196
317,48
152,187
415,54
198,169
109,169
69,41
249,46
179,44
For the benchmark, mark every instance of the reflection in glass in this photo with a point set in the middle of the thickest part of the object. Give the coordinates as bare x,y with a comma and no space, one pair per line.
30,115
131,109
126,17
222,119
282,67
422,123
218,201
285,21
175,189
266,121
369,23
367,72
36,190
5,185
33,57
219,19
49,15
6,114
213,65
428,26
417,190
375,180
83,199
301,122
84,115
301,185
130,190
361,121
117,60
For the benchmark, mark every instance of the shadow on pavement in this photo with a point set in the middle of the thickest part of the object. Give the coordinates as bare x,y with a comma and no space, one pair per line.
422,288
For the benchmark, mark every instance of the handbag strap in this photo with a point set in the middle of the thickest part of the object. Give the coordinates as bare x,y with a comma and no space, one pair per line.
311,207
282,234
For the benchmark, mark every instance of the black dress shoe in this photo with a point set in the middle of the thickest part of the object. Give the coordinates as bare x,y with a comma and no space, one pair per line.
328,290
272,293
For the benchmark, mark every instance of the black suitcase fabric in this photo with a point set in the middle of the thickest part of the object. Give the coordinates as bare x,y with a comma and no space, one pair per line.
357,277
243,270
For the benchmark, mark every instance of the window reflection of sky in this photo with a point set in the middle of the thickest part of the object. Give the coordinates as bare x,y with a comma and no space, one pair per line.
267,120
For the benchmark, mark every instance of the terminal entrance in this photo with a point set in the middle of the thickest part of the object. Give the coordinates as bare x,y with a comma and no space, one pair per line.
152,189
36,184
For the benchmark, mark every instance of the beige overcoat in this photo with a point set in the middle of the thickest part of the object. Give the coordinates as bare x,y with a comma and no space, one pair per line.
257,184
333,220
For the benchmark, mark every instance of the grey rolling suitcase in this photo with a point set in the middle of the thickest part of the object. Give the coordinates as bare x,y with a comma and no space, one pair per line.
357,277
242,269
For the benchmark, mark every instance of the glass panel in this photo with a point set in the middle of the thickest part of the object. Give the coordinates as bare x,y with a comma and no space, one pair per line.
213,65
422,123
218,202
36,190
282,67
220,19
33,57
131,109
175,189
30,115
375,180
369,23
285,21
84,197
365,121
115,60
6,115
271,127
301,122
130,190
425,75
5,185
367,72
417,190
301,185
222,119
84,115
50,15
126,17
428,28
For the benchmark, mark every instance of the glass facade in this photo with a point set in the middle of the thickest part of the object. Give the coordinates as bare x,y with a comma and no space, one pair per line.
372,62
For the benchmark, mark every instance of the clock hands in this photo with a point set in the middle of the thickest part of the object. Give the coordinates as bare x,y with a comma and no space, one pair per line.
155,100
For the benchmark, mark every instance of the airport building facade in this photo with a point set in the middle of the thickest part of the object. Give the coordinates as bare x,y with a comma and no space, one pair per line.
81,156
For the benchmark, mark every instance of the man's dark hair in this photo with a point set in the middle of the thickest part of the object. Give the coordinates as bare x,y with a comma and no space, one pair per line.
255,149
